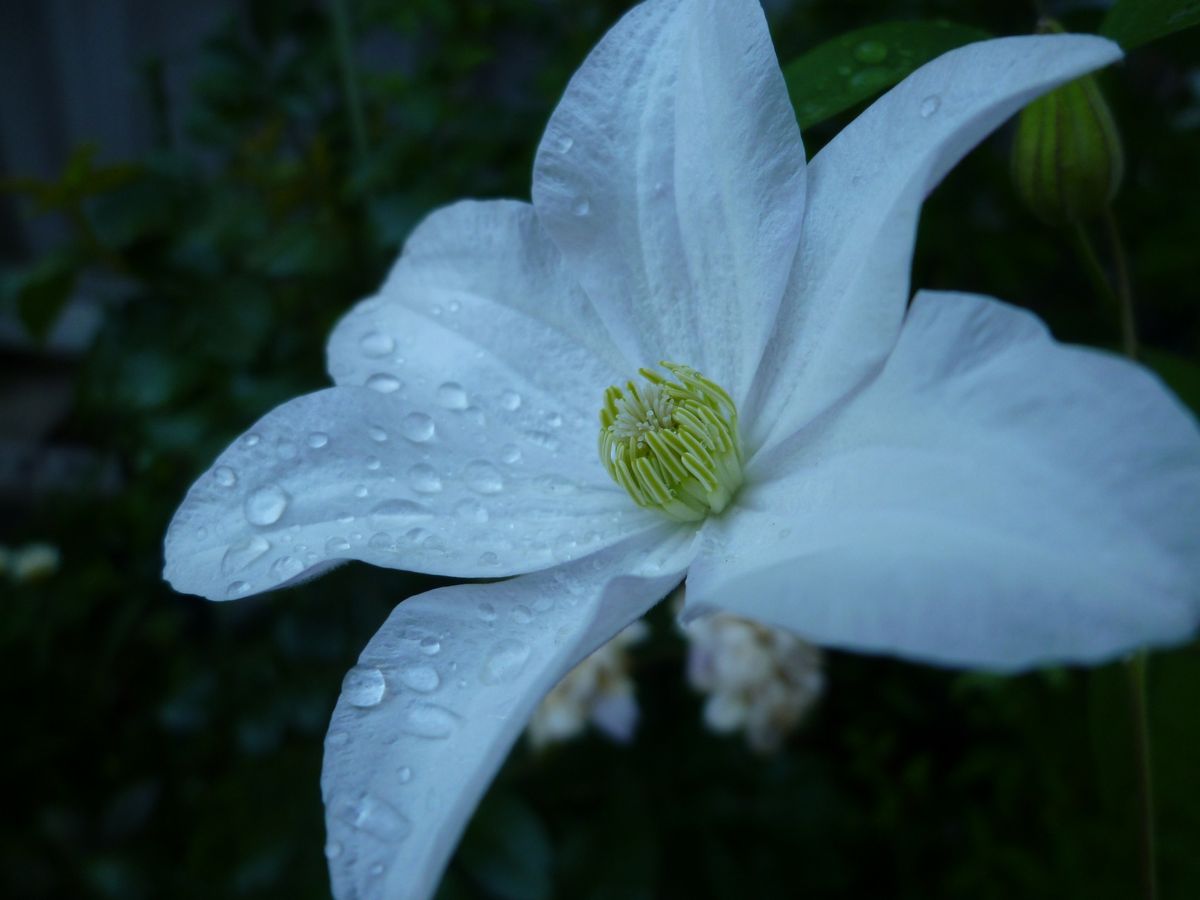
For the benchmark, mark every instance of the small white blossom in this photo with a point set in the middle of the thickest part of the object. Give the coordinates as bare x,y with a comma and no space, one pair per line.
599,690
759,680
33,562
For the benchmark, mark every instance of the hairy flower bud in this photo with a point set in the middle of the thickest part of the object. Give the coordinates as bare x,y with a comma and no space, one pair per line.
1067,160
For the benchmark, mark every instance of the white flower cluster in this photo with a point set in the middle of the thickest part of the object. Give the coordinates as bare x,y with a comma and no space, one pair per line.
598,690
759,680
30,563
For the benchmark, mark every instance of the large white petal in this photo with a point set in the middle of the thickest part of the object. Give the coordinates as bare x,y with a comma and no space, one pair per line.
350,473
672,177
992,499
848,290
442,691
481,300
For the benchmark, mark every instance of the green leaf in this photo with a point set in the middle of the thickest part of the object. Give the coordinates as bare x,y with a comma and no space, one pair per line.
836,75
40,291
1132,23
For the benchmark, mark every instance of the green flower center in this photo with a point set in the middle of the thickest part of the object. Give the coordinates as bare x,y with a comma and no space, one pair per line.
673,445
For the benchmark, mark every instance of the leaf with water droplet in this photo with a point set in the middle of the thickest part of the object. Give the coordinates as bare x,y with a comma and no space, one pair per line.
854,67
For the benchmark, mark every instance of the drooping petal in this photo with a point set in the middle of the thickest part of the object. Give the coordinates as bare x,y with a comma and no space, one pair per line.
350,473
847,293
672,177
992,499
442,691
480,313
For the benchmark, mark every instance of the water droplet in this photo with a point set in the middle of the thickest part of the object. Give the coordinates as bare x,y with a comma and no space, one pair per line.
360,491
225,476
241,555
510,400
489,559
385,384
484,478
451,395
428,720
423,679
581,207
521,615
869,79
871,52
505,661
453,306
565,547
471,511
930,105
333,850
238,589
251,440
373,463
554,420
417,427
376,344
338,738
511,454
487,612
337,545
266,505
363,686
565,143
378,435
286,568
404,774
318,439
543,440
395,512
376,870
381,540
424,478
376,817
430,646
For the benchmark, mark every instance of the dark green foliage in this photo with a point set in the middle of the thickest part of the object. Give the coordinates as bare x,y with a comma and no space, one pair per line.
157,745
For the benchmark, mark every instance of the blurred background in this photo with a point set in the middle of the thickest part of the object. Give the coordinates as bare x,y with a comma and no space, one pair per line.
192,195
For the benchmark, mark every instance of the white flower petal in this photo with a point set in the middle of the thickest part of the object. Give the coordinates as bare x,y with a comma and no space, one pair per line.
443,690
672,177
349,473
480,316
992,499
849,287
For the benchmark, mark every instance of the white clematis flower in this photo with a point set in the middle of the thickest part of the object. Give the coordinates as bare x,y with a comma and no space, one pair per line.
942,482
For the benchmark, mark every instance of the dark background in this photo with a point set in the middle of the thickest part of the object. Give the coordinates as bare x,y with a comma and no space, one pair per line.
187,212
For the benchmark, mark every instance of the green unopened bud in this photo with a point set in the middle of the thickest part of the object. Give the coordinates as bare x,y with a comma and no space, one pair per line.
1067,159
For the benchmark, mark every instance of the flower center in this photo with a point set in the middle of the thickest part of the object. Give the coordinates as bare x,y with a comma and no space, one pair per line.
673,445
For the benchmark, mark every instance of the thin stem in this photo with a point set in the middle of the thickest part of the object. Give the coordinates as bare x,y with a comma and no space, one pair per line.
345,55
1136,670
1093,266
1129,341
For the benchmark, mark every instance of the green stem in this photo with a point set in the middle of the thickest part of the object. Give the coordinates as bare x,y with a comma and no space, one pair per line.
1093,266
1136,670
345,55
1129,341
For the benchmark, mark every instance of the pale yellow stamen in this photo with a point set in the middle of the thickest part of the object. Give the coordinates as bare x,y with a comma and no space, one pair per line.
673,445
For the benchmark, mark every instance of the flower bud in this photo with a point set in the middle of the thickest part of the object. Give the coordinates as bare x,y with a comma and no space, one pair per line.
1067,160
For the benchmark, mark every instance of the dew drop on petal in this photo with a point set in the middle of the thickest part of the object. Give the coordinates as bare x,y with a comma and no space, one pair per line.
484,478
373,463
487,612
375,816
521,615
489,559
376,344
428,720
378,435
424,479
381,540
451,395
430,646
333,850
417,427
510,400
511,454
225,476
505,661
251,440
286,567
337,545
266,505
360,491
423,679
930,105
404,774
318,439
394,512
384,384
241,555
363,686
238,589
471,511
581,207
